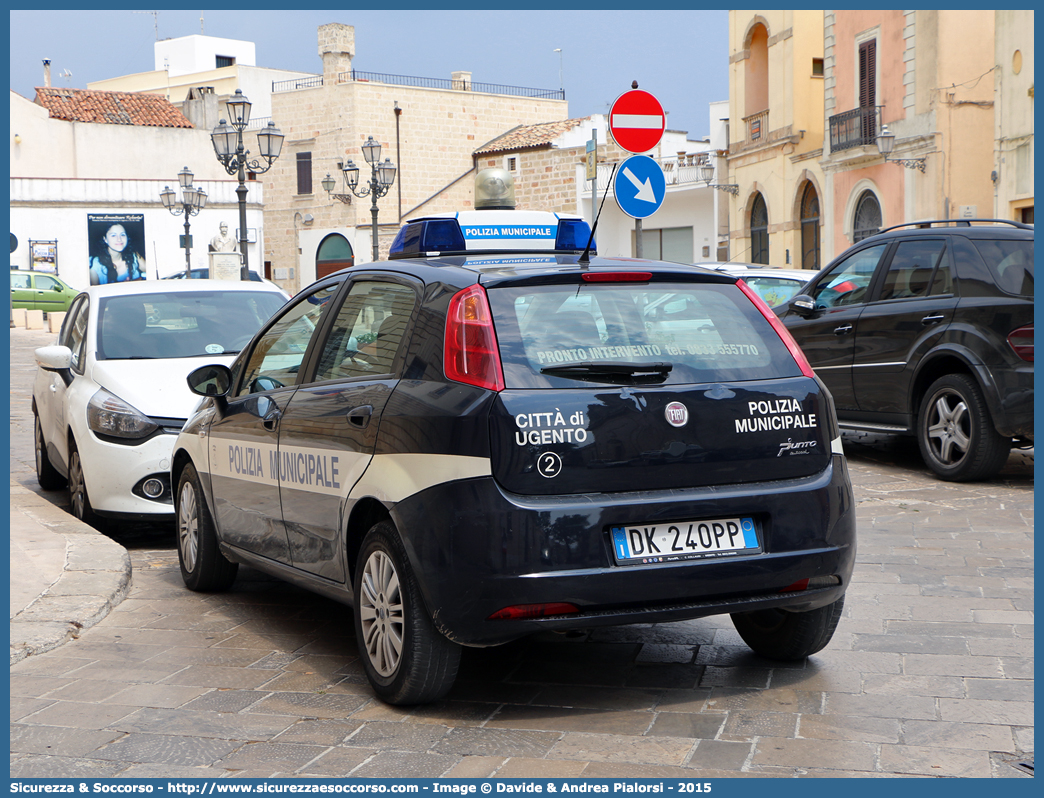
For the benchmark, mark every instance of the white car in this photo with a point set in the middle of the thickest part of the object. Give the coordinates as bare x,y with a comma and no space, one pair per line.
110,397
775,286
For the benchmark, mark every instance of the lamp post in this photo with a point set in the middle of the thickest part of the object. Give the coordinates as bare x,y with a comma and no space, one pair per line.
193,200
382,176
885,145
227,138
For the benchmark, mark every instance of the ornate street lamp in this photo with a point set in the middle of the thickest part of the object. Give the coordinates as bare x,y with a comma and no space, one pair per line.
227,139
193,200
707,175
885,145
382,176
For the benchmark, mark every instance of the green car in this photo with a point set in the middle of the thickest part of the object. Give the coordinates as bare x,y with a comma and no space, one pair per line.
40,291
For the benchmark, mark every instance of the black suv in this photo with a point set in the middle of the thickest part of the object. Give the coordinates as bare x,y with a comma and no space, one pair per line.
490,435
926,329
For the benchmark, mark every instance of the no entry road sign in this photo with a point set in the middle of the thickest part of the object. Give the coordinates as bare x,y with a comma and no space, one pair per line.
637,121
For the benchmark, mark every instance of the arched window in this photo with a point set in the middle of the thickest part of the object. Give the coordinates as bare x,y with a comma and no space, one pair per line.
810,228
867,217
759,244
335,253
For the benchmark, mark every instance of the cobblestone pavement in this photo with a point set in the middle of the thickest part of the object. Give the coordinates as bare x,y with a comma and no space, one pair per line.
930,672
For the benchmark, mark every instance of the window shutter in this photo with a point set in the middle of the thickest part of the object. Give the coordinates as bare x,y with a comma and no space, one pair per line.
868,74
304,173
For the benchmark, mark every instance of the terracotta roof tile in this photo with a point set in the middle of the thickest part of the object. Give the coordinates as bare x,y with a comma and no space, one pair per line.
525,137
110,107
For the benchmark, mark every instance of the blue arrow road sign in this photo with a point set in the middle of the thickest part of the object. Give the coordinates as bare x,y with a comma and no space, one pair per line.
639,186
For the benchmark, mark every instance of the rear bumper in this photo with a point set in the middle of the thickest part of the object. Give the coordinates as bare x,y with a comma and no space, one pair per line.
477,549
1009,395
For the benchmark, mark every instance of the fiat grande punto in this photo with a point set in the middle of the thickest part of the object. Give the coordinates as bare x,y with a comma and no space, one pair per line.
494,433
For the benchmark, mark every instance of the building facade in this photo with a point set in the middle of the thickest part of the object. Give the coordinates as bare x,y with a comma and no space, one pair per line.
189,69
927,77
429,129
776,84
1013,91
79,155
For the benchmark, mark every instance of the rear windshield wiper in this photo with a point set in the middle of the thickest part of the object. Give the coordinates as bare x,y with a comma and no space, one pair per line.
603,371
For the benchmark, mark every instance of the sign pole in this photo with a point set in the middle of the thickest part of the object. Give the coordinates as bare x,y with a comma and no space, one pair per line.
592,172
637,122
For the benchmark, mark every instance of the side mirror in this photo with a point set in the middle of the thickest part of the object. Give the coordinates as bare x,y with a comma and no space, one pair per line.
54,358
214,380
803,305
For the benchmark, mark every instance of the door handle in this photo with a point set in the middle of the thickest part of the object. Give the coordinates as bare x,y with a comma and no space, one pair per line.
359,417
932,319
845,328
269,422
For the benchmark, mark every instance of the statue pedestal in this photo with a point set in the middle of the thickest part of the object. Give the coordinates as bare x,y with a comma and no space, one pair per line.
225,265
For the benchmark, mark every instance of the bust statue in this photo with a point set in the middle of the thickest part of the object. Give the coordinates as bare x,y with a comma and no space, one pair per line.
223,242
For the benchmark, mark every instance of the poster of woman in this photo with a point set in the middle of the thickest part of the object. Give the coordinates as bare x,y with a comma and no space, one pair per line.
117,244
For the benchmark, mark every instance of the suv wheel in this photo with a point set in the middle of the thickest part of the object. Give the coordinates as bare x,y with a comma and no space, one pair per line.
956,434
782,635
407,660
46,474
203,566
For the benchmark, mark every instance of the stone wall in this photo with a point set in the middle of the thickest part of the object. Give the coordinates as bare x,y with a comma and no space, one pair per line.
432,146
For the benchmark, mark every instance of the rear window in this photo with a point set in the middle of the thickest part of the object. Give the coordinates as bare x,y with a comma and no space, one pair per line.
181,324
1011,262
672,334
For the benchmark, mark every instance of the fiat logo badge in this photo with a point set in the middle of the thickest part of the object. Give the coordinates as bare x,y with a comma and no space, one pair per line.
677,414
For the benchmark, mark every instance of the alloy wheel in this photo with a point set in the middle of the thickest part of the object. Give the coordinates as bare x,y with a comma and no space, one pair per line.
38,438
188,526
77,488
381,613
949,428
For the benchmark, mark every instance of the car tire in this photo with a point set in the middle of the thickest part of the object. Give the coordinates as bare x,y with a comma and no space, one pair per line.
956,434
203,567
80,502
46,474
407,660
788,636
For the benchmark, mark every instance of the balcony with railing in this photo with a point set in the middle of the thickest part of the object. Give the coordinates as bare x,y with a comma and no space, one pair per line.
421,83
855,128
677,170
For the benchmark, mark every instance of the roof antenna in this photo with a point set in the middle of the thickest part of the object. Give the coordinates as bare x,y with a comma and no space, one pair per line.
585,258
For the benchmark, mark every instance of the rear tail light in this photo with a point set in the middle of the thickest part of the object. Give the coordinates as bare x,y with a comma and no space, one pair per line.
521,612
777,325
471,355
1021,340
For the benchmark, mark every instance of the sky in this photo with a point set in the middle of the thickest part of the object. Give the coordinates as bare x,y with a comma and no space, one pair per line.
680,56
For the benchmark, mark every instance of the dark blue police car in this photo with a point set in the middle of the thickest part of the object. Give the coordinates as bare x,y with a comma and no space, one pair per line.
494,433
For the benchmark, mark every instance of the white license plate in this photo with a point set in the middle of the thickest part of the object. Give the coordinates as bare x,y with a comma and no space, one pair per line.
645,544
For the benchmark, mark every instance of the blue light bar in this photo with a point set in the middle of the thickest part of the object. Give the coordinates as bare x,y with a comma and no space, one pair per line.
427,235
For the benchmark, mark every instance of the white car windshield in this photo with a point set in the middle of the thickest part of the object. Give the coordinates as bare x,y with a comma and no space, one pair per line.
181,324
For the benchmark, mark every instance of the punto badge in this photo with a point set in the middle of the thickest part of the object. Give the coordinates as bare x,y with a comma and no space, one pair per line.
677,414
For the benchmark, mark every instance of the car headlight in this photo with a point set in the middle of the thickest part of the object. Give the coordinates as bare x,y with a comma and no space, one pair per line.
110,415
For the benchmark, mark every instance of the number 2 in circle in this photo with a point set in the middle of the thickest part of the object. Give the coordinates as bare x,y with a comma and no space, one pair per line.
549,465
